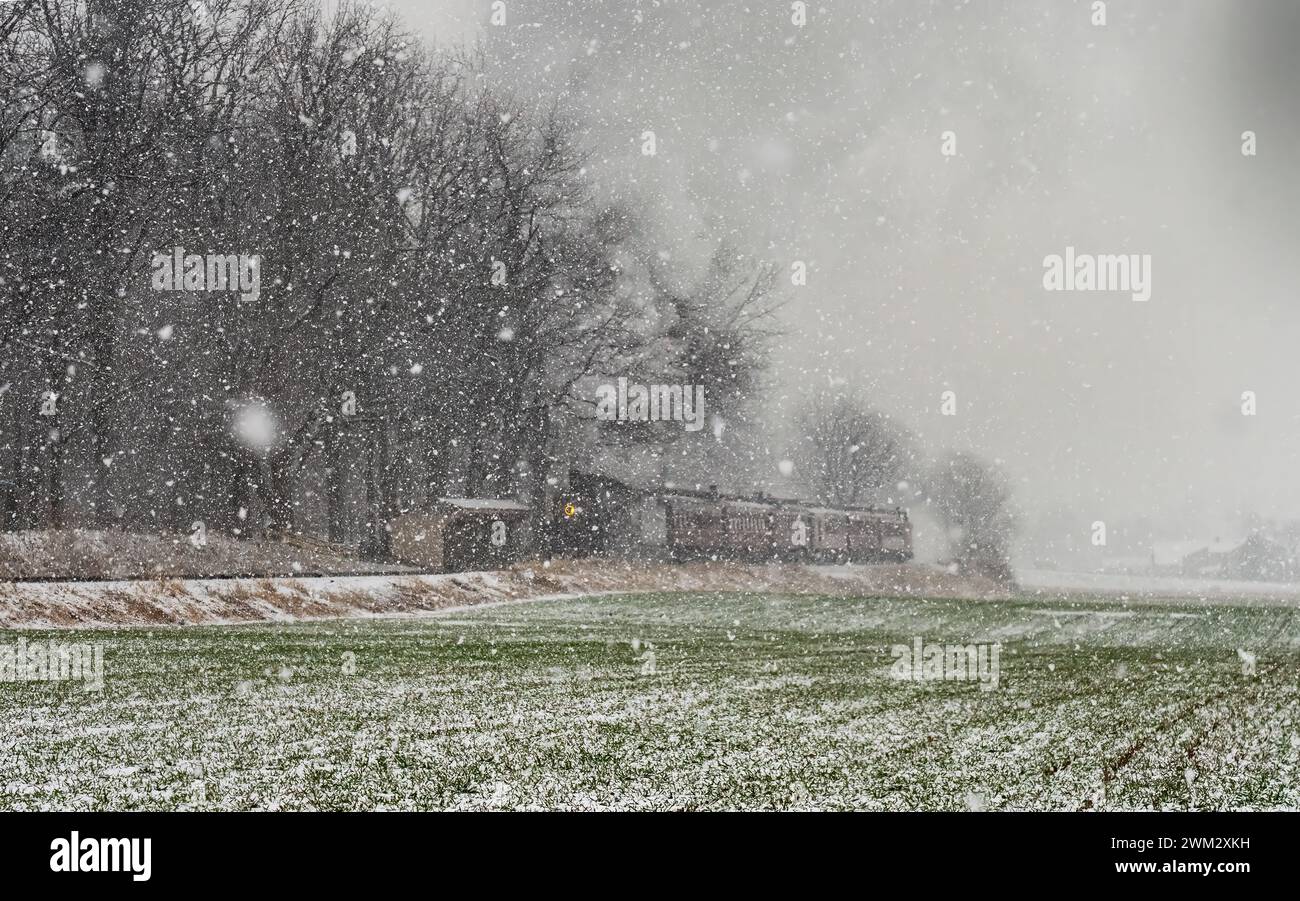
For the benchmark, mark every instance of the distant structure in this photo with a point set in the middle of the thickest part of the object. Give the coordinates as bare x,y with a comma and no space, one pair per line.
1256,558
461,533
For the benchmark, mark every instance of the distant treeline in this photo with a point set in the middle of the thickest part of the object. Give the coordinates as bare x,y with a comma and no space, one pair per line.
436,286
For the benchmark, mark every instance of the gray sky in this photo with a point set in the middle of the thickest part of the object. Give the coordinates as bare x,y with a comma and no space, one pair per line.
822,144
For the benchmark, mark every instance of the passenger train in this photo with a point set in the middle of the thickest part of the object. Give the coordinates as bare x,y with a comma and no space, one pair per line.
599,515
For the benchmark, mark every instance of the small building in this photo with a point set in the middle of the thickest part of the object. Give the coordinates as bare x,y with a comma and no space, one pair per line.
460,534
1260,559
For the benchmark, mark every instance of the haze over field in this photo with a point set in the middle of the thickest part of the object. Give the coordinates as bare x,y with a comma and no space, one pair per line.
822,144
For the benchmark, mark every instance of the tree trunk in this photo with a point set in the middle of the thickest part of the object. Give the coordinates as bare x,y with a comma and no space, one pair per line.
11,477
539,469
102,500
334,484
375,545
279,485
54,447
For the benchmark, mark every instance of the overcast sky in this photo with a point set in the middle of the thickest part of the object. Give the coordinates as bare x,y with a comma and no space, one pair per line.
822,144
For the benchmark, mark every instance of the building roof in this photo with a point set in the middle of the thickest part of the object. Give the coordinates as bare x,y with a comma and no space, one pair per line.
482,503
1172,553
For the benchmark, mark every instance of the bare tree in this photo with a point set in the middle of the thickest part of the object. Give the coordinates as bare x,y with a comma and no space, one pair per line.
974,500
853,454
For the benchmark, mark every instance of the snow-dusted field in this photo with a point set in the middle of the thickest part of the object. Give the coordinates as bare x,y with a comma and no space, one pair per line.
671,701
1046,582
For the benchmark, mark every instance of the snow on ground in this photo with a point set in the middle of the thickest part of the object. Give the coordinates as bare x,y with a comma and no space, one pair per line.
712,700
1046,582
194,601
96,554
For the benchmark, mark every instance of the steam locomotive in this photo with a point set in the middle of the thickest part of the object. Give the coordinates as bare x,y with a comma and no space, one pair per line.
598,515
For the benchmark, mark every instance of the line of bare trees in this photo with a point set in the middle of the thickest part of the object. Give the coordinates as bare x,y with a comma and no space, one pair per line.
436,280
855,455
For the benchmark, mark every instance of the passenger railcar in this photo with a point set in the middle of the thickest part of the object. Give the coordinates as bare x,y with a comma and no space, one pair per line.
591,518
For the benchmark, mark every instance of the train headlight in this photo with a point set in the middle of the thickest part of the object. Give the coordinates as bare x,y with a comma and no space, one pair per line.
570,510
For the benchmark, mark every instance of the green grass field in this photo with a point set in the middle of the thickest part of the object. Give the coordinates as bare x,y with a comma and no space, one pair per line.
750,702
